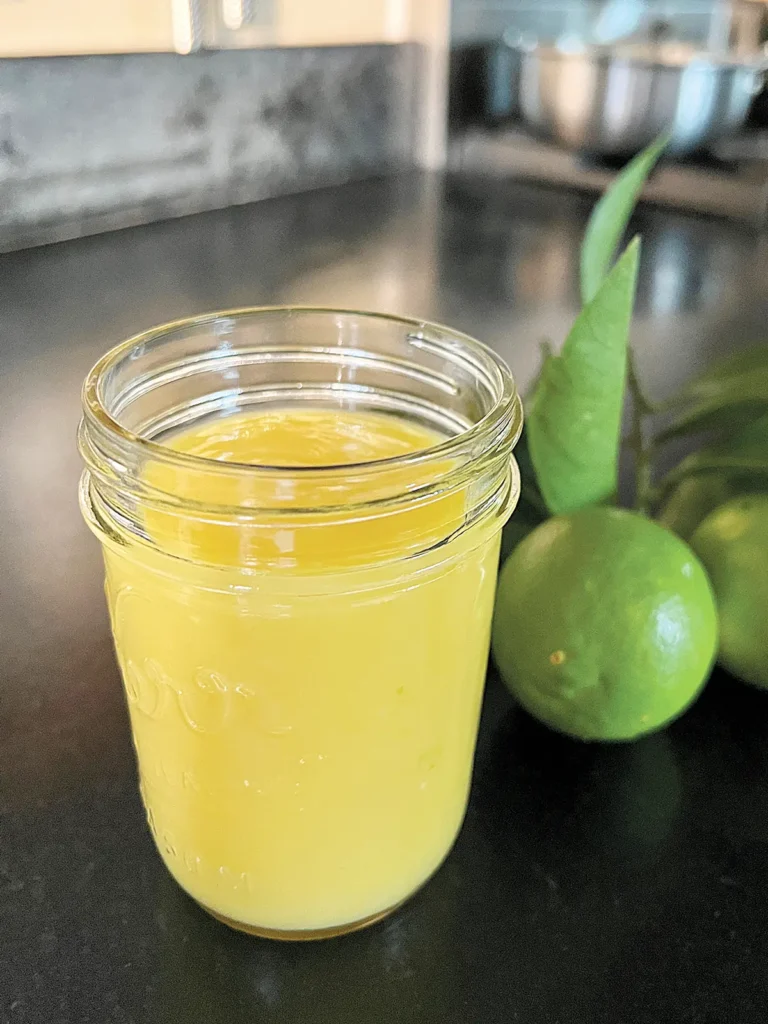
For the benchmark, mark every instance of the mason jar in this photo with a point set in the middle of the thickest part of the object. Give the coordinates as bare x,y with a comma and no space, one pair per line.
303,643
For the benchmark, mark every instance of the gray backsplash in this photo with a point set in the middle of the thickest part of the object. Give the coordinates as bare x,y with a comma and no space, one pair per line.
93,143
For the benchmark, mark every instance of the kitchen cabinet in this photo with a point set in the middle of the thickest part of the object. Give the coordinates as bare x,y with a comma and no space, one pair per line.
35,28
50,27
246,23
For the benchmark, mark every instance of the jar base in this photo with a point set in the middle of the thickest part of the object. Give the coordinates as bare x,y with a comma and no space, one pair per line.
303,935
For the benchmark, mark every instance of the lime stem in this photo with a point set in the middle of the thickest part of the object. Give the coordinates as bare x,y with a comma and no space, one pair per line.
641,447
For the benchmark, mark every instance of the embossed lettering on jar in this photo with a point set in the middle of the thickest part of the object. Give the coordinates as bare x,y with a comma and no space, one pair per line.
300,512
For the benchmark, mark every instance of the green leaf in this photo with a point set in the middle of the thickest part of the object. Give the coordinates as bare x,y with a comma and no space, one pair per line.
574,416
726,396
733,365
610,217
743,455
751,439
703,462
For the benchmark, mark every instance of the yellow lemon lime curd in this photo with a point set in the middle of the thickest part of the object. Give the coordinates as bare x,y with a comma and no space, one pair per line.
303,684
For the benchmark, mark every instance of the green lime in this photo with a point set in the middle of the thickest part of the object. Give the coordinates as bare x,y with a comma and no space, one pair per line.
696,496
515,530
524,519
605,625
692,500
732,542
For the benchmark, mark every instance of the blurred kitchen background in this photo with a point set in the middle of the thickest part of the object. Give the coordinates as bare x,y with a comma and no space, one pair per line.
425,157
563,92
138,110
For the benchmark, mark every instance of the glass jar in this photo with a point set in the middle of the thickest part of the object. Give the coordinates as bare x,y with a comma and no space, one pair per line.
303,647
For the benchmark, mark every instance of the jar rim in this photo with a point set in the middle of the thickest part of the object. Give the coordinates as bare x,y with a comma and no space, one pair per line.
505,414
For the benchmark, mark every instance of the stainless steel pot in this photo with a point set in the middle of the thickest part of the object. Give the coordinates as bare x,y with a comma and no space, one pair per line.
614,100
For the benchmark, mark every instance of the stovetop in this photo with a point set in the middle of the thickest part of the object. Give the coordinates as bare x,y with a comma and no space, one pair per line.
732,182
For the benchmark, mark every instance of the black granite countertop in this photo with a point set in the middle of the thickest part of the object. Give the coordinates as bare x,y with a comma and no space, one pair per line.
612,885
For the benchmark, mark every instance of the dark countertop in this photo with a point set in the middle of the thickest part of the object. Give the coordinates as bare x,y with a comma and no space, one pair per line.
611,885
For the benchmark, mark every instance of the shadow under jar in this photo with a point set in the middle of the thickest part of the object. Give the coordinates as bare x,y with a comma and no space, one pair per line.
302,640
